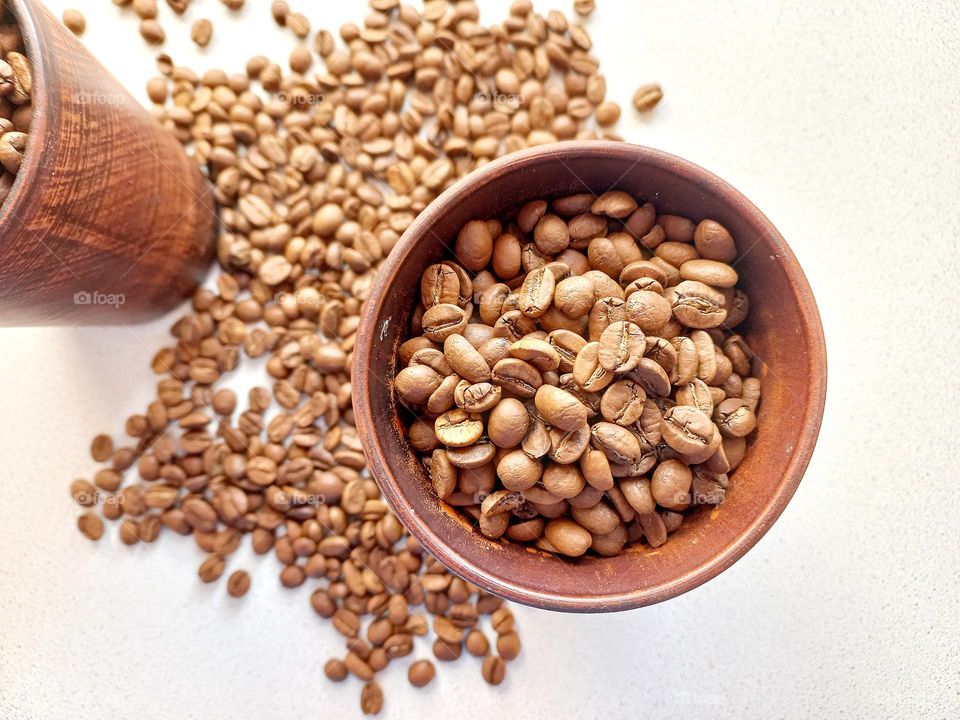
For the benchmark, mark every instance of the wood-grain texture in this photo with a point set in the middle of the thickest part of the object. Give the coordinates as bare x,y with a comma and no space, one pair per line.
106,205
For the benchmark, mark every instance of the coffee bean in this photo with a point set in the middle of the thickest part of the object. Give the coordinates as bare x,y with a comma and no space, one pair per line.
734,418
709,272
697,305
474,245
646,97
238,583
518,377
551,235
568,538
670,484
421,673
518,471
465,360
443,320
713,242
75,21
561,409
371,698
690,432
615,204
588,373
621,347
90,525
536,294
623,402
494,669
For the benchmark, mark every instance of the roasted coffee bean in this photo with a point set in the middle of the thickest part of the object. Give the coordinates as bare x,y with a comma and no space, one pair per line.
474,245
588,373
623,402
713,242
465,360
536,293
568,537
458,429
560,408
696,305
421,673
690,432
517,377
670,484
734,418
621,347
443,320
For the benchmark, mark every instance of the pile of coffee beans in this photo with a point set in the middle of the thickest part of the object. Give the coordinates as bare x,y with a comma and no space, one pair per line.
574,372
318,168
16,86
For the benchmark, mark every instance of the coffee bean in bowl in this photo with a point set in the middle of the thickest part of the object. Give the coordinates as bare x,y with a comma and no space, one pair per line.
558,373
616,350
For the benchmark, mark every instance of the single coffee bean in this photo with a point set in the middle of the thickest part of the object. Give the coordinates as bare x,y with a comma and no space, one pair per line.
477,643
585,227
536,443
517,377
568,446
551,235
536,294
648,310
477,398
415,384
439,284
567,344
371,698
90,525
690,432
563,481
507,424
568,537
713,242
539,353
474,245
670,484
709,272
734,418
654,529
443,320
465,360
514,325
560,408
708,488
518,471
646,97
696,394
588,373
421,673
494,669
596,469
623,402
238,583
458,428
571,205
615,204
697,305
506,260
618,444
621,347
649,375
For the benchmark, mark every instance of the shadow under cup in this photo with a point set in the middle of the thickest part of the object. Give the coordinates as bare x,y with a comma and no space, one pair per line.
782,328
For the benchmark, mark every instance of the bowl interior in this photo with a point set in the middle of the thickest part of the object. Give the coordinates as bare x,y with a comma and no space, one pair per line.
783,328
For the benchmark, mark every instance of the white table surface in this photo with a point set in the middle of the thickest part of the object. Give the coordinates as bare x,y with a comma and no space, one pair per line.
839,120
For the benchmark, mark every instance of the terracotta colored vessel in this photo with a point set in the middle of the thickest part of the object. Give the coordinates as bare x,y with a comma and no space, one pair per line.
108,220
783,328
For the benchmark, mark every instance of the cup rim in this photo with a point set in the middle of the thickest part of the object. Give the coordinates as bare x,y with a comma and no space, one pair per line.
420,528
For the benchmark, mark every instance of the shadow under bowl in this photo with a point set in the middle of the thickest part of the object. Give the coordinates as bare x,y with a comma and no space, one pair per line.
783,328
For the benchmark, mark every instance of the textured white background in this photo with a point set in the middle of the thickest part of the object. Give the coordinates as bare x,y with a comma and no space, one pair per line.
840,121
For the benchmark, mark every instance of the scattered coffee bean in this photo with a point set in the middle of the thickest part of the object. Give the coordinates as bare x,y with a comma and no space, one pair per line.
494,669
75,21
646,97
421,673
238,583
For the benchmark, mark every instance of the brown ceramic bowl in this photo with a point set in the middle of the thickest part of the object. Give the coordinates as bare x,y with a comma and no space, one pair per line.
783,328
